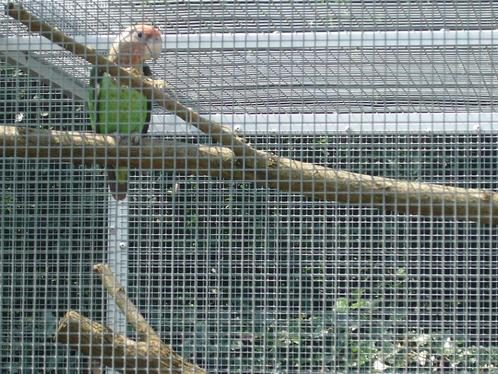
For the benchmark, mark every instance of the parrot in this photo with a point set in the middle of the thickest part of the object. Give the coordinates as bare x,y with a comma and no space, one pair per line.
117,109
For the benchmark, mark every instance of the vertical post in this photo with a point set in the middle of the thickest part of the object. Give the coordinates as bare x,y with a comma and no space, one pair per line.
117,258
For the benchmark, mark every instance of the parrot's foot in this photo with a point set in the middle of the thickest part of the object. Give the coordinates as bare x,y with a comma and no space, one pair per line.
133,139
162,85
158,83
118,138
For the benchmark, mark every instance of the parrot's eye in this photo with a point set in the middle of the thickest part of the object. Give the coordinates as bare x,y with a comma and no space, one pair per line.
140,34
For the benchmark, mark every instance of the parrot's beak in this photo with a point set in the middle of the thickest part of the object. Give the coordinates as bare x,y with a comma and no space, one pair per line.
154,47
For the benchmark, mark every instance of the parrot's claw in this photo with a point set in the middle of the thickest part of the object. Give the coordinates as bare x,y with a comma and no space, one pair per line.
135,139
118,138
158,83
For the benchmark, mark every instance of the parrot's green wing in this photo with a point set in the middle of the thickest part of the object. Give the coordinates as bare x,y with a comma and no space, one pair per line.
117,109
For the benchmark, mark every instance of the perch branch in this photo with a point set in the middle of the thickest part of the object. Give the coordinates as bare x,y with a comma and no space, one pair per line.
311,180
150,88
89,148
116,351
133,316
290,175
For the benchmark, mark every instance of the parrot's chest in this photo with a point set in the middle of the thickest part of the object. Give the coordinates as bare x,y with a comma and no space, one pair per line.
122,109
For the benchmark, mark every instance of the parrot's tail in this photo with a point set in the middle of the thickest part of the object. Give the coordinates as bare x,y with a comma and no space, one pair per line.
117,185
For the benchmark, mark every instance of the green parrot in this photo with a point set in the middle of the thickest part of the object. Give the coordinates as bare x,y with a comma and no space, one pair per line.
118,109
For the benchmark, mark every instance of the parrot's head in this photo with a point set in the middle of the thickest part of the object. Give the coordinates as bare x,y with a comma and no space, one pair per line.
136,44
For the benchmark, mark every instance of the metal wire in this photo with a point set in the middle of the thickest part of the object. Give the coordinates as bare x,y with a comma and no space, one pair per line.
235,276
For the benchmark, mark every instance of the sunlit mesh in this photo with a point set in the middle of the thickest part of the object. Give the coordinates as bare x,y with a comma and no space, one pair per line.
233,271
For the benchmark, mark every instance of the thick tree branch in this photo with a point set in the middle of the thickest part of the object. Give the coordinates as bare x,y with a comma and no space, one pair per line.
314,181
89,148
100,343
150,88
133,316
116,351
311,180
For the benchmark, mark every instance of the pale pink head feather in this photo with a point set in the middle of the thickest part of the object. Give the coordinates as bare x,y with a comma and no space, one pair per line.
136,44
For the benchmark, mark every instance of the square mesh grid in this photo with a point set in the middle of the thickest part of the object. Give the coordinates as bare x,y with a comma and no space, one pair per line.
236,276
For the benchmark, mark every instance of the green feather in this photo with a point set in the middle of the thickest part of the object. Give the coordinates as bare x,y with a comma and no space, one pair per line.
117,109
122,175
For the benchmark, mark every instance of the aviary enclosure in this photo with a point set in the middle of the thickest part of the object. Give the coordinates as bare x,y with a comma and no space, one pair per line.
248,186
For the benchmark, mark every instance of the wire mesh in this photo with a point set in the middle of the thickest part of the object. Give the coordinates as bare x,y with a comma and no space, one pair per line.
235,274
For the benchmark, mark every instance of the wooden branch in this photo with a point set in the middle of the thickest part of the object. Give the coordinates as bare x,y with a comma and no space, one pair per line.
98,342
89,148
285,174
150,88
314,181
133,316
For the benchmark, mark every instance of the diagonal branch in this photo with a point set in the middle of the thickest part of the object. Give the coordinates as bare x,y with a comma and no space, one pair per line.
134,318
99,343
131,313
311,180
314,181
149,87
